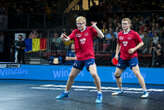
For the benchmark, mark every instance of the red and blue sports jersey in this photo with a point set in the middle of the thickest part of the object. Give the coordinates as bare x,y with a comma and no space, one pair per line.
128,41
84,43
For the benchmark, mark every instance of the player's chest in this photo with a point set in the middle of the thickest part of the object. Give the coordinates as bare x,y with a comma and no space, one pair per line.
126,40
82,34
126,37
83,37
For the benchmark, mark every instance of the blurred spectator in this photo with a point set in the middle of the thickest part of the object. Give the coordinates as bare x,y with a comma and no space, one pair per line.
70,56
34,34
156,55
155,38
146,49
141,34
108,37
2,10
108,34
104,27
20,46
2,37
116,32
113,44
56,43
3,21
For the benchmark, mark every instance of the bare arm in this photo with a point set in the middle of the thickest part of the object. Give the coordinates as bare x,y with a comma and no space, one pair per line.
99,32
132,50
117,50
70,58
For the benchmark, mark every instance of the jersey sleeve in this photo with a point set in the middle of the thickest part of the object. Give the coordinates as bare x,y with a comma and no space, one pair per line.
118,41
138,38
94,32
72,35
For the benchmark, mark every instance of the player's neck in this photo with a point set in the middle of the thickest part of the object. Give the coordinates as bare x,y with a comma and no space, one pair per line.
126,31
83,29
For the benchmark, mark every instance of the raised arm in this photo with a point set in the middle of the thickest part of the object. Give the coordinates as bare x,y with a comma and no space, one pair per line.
99,32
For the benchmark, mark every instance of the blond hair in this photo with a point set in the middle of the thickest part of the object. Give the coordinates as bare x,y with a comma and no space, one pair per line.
81,19
127,19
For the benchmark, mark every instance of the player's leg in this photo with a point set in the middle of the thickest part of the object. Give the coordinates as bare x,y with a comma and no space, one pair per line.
136,71
135,68
139,76
73,74
77,66
93,72
121,66
91,66
118,73
118,77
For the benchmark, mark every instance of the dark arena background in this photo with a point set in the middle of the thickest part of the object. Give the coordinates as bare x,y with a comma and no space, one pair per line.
32,80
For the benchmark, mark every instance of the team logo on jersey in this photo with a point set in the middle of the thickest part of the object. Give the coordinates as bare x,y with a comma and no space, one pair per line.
86,34
125,43
78,35
121,38
82,41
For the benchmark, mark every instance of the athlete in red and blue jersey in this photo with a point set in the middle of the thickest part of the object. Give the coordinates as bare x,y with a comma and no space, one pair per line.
128,43
83,40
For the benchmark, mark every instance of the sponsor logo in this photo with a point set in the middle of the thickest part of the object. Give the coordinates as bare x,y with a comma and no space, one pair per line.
82,41
78,35
121,38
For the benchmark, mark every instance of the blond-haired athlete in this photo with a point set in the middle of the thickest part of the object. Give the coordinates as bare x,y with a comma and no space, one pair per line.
128,43
83,39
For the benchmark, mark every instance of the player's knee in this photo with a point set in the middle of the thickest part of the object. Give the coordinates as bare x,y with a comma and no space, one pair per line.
72,77
117,76
137,73
94,75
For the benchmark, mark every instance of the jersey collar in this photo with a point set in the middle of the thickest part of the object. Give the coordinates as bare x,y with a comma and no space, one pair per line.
127,31
83,29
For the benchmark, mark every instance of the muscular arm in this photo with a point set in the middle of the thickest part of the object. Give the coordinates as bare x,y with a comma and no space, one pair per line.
139,46
117,50
99,32
132,50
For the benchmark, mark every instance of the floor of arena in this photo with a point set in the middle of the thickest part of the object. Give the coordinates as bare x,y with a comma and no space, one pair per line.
40,95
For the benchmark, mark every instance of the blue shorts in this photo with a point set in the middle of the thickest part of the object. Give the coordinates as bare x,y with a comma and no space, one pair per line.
123,64
80,64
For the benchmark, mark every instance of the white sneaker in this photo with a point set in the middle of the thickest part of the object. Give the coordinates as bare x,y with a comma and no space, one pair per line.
117,93
145,95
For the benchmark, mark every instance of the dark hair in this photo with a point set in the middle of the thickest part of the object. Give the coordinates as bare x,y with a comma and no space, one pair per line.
20,35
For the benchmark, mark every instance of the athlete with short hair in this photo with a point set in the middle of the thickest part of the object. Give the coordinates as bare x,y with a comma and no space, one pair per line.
128,43
83,39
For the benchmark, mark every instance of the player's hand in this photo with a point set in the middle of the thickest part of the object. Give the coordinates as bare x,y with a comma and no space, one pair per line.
116,57
132,50
93,23
63,36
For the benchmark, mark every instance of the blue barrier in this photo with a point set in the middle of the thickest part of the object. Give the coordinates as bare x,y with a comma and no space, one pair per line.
61,73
